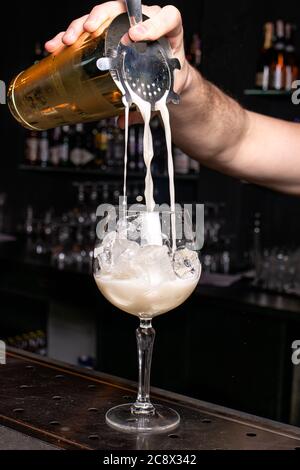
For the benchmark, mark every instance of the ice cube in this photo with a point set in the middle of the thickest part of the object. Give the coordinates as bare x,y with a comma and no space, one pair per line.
115,252
103,253
124,255
156,264
122,228
151,229
186,264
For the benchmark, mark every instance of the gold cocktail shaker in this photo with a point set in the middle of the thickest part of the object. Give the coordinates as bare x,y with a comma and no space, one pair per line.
67,87
94,78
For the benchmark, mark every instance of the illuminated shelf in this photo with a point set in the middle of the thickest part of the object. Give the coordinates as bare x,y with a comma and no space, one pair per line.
89,173
254,92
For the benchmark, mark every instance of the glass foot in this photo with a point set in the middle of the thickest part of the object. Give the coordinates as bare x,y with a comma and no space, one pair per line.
122,419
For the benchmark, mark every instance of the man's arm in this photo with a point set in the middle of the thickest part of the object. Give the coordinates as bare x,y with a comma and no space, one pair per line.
212,128
208,125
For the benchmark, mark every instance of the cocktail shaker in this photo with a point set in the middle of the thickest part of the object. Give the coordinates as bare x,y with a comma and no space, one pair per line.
87,81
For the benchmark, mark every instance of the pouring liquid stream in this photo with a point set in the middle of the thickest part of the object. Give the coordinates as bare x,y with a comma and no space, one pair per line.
145,110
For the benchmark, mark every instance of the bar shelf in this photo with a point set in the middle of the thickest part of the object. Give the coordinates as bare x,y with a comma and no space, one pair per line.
74,172
268,93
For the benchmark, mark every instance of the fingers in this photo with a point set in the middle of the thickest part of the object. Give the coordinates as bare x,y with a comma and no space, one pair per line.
54,43
101,13
74,31
89,23
68,37
166,22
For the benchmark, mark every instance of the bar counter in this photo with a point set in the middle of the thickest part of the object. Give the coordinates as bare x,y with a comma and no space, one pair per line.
48,405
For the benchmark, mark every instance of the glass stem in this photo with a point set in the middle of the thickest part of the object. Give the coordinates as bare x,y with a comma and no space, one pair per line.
145,335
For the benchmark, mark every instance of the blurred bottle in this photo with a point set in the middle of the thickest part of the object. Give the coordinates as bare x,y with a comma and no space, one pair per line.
64,147
160,153
76,153
140,163
132,145
41,342
44,150
105,194
194,166
262,79
88,151
38,53
195,55
292,64
101,144
32,148
55,142
182,162
119,147
279,58
257,242
110,125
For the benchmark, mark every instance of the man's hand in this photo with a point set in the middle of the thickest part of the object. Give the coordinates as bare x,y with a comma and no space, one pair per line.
162,22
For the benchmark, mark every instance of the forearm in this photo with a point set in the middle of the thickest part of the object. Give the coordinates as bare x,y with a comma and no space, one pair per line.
208,125
214,129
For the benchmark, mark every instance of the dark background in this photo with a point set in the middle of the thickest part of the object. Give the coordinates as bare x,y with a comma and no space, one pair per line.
212,349
231,34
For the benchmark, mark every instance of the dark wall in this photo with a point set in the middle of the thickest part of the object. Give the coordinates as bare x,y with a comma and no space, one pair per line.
231,33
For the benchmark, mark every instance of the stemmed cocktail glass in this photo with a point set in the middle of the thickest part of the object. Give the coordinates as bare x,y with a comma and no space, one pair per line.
145,264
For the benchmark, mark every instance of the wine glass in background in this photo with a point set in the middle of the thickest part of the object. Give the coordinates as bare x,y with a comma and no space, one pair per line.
146,269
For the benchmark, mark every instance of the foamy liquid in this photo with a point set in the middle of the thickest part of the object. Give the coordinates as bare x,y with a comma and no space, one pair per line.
138,298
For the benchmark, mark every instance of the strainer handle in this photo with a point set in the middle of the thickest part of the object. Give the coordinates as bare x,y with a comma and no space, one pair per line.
134,10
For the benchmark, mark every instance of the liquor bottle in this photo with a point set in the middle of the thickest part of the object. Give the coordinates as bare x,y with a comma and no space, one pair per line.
159,161
32,144
110,126
41,343
105,194
279,58
140,163
29,221
77,146
44,151
119,146
101,144
88,151
32,148
292,65
38,53
182,162
64,147
194,167
55,143
116,192
132,144
262,79
257,241
195,51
